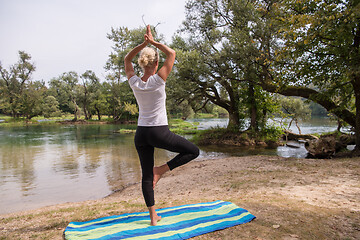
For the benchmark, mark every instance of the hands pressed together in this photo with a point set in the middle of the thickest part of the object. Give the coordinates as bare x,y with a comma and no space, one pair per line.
148,36
149,39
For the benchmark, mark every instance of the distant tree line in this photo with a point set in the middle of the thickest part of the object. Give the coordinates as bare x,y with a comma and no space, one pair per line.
67,93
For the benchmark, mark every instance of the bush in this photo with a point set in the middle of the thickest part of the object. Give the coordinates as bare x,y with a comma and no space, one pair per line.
269,135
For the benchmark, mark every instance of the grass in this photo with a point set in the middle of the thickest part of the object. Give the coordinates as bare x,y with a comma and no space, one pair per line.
40,120
205,115
179,126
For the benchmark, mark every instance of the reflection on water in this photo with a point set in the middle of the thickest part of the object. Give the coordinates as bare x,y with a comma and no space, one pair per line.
41,166
45,165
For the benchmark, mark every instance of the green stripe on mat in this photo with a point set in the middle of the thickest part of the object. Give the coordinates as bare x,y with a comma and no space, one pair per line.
179,222
159,211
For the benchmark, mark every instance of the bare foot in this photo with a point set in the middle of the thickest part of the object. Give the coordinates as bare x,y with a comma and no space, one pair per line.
157,175
154,221
158,172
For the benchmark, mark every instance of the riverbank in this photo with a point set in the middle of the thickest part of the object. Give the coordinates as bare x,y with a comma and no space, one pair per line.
176,125
291,198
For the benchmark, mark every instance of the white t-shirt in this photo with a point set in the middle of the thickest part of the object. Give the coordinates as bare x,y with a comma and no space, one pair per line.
151,98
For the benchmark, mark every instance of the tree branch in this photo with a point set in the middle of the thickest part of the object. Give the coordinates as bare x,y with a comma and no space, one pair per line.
315,96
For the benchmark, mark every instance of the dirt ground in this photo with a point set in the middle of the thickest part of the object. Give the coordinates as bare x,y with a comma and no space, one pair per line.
291,199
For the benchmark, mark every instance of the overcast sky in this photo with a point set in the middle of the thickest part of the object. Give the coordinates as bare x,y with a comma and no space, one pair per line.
70,35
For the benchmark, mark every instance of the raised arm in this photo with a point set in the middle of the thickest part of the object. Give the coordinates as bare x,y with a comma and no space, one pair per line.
129,70
170,55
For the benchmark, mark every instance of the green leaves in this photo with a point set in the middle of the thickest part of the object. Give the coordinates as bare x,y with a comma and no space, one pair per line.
13,84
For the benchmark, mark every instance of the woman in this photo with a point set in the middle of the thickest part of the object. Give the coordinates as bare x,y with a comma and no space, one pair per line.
152,130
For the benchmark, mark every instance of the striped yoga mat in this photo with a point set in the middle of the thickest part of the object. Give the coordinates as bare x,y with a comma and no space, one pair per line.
181,222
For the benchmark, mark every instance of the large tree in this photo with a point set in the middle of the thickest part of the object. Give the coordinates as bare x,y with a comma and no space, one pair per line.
66,90
32,98
89,91
13,82
227,45
296,48
320,58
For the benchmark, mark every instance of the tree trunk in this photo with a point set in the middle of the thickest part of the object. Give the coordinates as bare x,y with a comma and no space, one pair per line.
75,111
356,85
233,110
252,108
232,105
297,125
355,71
85,112
339,125
98,113
234,121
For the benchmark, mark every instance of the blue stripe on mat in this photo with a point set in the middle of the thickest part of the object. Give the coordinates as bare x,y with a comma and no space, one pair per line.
136,214
216,227
174,227
180,222
128,219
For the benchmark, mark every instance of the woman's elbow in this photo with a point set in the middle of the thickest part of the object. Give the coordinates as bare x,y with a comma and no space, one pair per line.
172,54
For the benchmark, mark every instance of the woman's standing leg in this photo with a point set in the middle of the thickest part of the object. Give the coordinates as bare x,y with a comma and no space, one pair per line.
146,156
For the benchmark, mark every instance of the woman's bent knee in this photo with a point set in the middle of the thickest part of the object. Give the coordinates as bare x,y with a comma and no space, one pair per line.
196,152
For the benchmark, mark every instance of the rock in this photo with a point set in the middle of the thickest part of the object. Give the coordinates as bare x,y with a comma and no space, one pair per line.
347,139
322,148
326,146
291,237
292,145
276,226
272,144
261,143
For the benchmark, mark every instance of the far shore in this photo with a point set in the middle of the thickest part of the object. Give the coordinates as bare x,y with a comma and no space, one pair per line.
291,199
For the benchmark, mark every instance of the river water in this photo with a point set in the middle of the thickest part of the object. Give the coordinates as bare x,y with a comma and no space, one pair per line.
46,165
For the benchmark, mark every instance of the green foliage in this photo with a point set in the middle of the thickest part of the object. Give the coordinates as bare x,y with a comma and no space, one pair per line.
322,50
66,90
50,107
88,92
14,83
179,110
230,45
31,99
226,136
295,109
131,108
271,133
124,39
219,111
179,126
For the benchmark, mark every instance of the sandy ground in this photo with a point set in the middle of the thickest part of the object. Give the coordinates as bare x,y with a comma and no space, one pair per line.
291,198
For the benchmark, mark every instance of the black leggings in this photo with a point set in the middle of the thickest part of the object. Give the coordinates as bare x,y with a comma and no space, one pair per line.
146,139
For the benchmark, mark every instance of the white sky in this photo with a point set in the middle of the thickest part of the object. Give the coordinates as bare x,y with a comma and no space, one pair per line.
70,35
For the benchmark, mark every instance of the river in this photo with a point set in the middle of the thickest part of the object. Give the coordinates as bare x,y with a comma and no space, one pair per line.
46,165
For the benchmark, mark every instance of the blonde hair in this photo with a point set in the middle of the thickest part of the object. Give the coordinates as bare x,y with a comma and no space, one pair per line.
148,57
